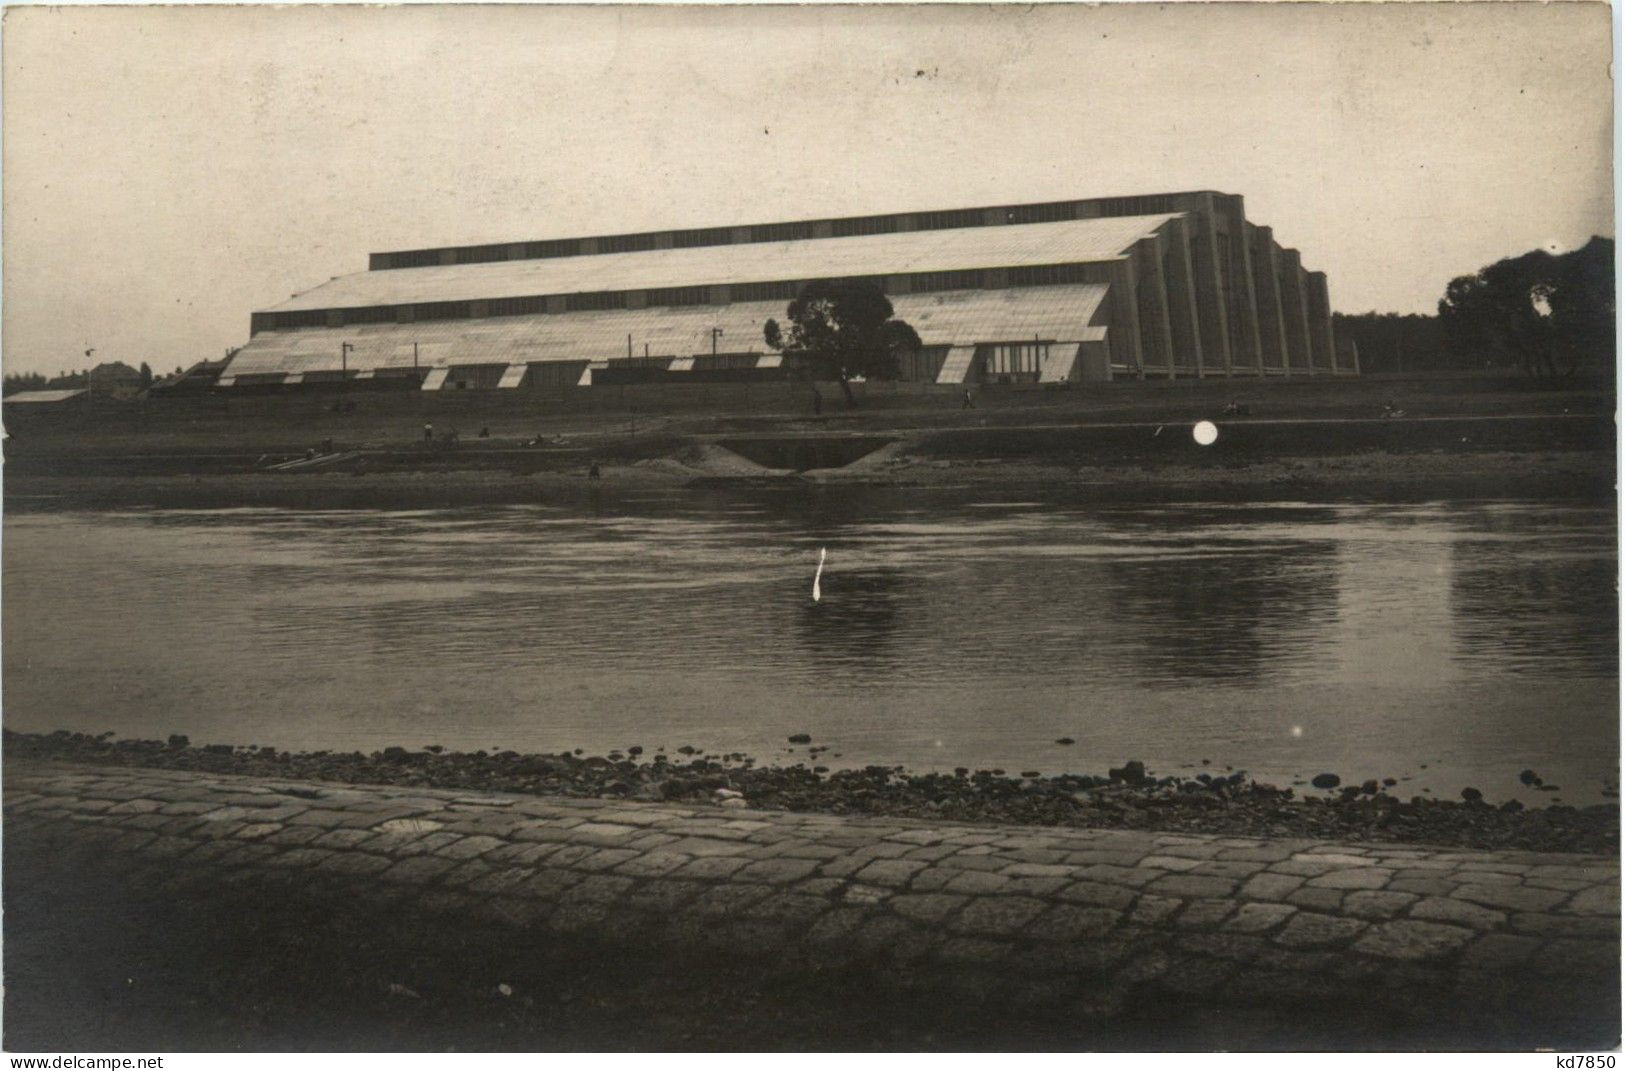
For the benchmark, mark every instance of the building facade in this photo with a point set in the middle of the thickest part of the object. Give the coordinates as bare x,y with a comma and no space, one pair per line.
1164,285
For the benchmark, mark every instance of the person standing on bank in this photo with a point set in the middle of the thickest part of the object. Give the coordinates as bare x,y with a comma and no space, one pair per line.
428,433
968,403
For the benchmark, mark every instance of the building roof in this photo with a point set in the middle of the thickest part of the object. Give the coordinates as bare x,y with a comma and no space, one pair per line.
1014,245
39,397
961,317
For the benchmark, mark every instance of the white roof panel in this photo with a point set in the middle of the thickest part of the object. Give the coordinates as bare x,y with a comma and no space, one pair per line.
1074,241
958,317
33,397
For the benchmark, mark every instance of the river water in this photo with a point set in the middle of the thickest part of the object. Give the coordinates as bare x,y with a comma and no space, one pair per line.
1445,644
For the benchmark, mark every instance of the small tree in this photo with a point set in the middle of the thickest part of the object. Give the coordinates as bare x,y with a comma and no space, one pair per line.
841,329
1550,313
146,375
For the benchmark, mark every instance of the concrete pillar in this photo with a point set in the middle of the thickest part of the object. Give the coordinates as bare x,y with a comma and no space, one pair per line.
1156,338
1267,292
1178,279
1321,349
1125,317
1295,309
1210,304
1242,309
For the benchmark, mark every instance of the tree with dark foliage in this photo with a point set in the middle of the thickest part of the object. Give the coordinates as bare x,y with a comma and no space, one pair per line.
842,329
1553,314
23,381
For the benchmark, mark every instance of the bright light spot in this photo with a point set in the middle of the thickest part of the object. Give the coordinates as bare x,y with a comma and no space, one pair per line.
1541,298
938,743
1297,730
1206,433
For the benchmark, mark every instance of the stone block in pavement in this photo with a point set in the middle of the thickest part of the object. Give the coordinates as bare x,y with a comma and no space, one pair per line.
1270,886
1377,903
927,908
1001,916
1597,900
1097,894
1407,939
1365,877
1510,897
1308,929
1191,886
1460,912
1259,916
1070,922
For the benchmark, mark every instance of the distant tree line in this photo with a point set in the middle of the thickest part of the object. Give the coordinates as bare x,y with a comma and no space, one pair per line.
1389,342
20,381
1549,315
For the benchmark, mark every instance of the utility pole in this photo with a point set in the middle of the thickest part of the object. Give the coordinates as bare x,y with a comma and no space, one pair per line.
715,331
344,366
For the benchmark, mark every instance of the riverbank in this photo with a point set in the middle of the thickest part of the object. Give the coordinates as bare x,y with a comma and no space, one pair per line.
1367,476
183,910
1124,797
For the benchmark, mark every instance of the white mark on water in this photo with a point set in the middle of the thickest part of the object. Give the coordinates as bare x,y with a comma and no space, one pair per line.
818,575
1297,730
1206,433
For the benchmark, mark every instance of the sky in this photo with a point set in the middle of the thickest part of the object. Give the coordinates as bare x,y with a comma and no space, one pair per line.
167,170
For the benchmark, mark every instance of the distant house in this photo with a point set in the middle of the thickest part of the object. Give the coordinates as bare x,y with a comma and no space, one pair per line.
114,378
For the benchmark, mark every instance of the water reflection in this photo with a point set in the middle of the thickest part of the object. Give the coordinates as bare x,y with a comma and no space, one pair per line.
854,627
1166,633
1534,604
1229,618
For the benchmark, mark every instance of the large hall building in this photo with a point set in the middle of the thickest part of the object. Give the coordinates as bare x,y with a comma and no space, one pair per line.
1166,285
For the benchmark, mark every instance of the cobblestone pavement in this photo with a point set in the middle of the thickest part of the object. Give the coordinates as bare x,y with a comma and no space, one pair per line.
1088,919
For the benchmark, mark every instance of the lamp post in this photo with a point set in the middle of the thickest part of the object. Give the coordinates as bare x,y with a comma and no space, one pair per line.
715,332
344,367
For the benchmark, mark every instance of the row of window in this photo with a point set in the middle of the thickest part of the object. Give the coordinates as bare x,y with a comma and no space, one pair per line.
1137,206
679,295
1055,275
1054,212
675,296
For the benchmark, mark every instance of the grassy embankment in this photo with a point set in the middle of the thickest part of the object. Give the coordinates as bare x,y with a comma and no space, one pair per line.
1461,437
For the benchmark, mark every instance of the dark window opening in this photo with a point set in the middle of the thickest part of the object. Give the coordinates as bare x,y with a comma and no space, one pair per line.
780,232
1051,213
680,295
709,236
613,299
558,247
441,310
626,243
763,291
941,221
517,306
849,228
481,254
945,280
1049,275
1137,206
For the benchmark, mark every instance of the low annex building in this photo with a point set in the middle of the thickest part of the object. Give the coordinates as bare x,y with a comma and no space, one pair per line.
1167,285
